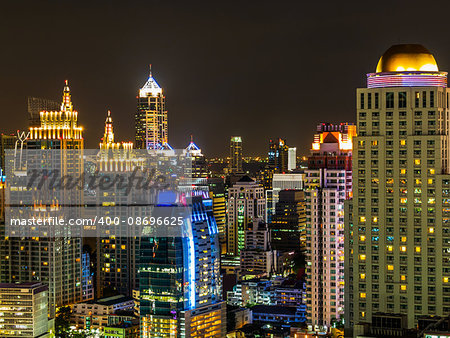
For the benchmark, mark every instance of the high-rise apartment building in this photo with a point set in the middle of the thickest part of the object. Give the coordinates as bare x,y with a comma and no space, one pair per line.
246,203
180,282
52,260
151,117
23,308
328,184
397,235
199,168
235,165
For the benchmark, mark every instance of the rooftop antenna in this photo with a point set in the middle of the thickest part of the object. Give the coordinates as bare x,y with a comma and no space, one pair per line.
150,66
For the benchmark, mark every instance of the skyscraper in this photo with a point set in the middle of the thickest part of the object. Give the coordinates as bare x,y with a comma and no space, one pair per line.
151,117
287,228
117,253
180,282
397,235
245,203
55,261
217,194
328,184
235,165
292,158
278,156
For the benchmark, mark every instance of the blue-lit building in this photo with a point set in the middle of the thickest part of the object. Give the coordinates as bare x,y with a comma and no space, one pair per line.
179,279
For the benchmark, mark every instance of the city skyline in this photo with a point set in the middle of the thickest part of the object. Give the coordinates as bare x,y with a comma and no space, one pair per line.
223,71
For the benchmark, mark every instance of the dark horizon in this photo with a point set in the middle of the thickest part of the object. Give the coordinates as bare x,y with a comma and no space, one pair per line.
257,69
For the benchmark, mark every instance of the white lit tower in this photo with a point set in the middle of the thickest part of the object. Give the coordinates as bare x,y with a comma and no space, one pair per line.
151,117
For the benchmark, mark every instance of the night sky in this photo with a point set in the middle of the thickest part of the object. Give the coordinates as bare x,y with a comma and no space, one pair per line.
259,69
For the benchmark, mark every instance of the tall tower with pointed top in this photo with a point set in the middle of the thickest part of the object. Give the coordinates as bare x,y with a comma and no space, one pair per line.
151,117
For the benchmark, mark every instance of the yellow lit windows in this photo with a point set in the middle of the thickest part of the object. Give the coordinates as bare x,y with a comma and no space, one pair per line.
431,230
430,181
445,279
362,276
431,200
403,239
375,219
403,200
374,143
361,143
362,257
403,142
417,161
362,219
403,277
418,249
431,171
403,248
390,268
403,287
123,247
362,295
362,238
390,248
402,171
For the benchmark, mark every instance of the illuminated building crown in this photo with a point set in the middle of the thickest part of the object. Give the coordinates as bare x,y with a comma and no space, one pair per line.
151,87
407,65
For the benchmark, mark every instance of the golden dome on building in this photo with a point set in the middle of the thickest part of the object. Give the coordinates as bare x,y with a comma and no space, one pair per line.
407,57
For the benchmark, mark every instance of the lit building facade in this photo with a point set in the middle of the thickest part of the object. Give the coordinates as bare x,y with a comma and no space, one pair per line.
292,158
151,125
23,310
59,258
246,203
235,165
216,187
328,184
180,282
397,235
288,225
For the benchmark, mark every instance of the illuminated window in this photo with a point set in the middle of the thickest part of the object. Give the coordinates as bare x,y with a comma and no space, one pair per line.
402,142
362,276
445,279
417,248
362,295
123,247
403,200
362,219
390,248
430,181
390,267
403,287
403,248
403,171
362,257
403,277
431,230
375,219
432,171
403,239
417,162
362,238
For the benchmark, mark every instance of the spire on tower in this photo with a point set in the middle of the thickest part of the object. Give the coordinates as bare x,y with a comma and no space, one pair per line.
66,105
